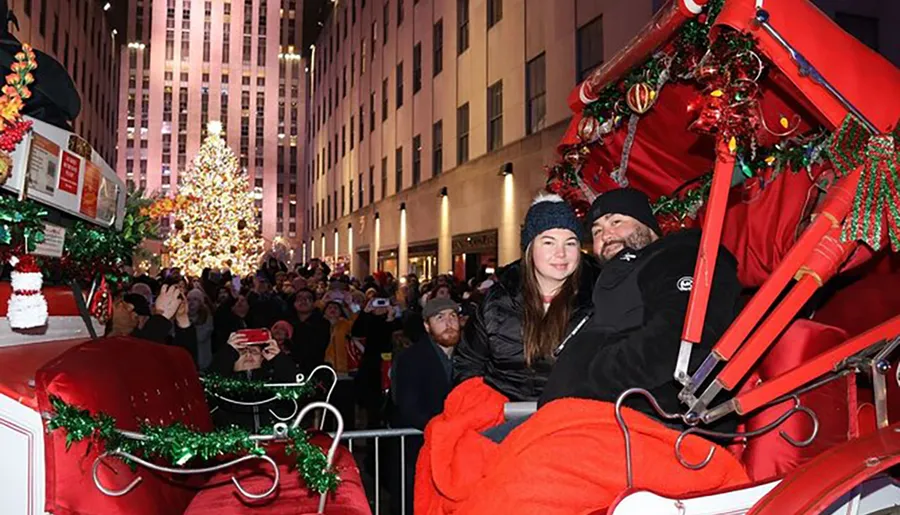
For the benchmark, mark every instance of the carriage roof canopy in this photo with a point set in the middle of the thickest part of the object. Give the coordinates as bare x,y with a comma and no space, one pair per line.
665,154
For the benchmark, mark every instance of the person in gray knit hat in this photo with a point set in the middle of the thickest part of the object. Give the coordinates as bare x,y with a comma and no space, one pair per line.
531,307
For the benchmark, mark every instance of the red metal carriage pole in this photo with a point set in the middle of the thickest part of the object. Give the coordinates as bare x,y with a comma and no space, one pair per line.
816,367
834,209
706,259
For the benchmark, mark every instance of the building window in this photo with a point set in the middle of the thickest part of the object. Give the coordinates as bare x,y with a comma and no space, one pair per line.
536,94
417,68
863,28
399,12
362,122
384,100
495,116
417,160
383,177
386,15
399,85
43,19
462,134
398,176
438,44
372,112
495,12
55,33
371,184
462,29
589,50
437,148
343,140
28,7
352,132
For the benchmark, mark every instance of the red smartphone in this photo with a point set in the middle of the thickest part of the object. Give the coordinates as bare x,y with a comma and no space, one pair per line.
255,336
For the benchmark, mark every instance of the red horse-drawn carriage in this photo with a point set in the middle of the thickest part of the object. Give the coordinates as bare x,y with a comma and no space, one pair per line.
777,133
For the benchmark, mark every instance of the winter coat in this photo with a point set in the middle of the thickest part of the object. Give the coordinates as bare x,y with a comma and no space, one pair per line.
310,340
632,340
279,369
495,350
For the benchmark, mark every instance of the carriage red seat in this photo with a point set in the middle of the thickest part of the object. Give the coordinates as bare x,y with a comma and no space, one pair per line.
137,381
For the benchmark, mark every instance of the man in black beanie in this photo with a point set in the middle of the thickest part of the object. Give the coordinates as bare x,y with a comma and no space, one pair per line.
640,300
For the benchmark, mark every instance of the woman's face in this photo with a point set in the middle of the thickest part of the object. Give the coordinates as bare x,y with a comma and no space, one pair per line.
194,303
332,312
555,253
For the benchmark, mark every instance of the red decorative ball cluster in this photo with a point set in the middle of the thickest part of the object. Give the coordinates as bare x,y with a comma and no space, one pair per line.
27,264
13,133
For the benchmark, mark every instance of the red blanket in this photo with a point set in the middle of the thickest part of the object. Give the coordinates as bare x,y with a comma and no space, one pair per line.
569,457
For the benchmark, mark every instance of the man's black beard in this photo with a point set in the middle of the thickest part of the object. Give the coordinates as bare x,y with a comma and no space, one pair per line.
640,238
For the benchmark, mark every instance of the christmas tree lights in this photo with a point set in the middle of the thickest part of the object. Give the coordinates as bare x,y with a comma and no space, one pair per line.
218,229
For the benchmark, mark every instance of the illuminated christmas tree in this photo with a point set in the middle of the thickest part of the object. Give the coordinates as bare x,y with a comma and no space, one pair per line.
217,229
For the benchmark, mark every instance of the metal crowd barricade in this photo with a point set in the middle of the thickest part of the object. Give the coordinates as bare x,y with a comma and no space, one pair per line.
377,435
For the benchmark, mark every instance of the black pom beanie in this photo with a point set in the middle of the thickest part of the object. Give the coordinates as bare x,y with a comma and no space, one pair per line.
625,201
549,212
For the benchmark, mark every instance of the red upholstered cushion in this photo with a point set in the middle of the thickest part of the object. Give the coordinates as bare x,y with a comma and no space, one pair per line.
132,380
770,455
762,223
221,497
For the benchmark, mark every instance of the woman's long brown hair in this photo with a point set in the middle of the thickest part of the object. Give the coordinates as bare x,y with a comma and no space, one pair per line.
543,331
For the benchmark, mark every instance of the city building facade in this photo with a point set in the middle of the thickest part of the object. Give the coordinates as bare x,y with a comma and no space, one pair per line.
79,35
189,62
430,121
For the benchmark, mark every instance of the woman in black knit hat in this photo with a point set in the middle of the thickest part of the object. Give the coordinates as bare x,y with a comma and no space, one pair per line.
534,304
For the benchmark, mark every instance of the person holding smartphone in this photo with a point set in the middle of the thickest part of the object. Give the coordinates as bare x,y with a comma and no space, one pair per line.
252,354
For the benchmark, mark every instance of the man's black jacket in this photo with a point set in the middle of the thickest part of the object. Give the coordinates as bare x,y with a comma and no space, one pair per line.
640,301
420,383
159,329
496,352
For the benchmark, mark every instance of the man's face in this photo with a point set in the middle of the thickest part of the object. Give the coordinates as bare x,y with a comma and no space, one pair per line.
223,295
262,285
279,334
124,319
303,304
443,292
444,328
613,232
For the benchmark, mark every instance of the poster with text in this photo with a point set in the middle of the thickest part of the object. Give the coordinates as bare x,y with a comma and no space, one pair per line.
90,189
43,163
69,169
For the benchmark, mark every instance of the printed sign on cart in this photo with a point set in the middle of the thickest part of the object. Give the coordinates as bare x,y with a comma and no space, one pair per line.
54,240
69,169
43,163
90,190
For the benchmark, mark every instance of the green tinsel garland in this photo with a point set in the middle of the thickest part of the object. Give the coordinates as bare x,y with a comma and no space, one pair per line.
177,444
21,222
693,39
231,386
686,204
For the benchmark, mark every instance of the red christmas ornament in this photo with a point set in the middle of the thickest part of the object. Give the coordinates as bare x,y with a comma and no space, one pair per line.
588,129
640,97
575,157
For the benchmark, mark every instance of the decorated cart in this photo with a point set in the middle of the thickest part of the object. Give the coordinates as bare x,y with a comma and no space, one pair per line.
772,129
